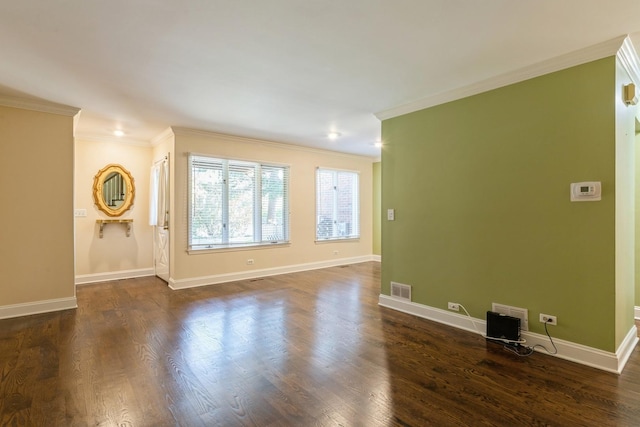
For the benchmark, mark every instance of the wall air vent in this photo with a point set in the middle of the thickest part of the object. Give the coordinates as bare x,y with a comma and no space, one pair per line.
520,313
399,290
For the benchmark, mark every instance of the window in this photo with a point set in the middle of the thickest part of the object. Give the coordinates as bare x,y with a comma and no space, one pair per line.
236,203
337,204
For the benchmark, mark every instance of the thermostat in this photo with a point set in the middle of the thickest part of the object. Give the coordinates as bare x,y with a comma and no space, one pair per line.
590,191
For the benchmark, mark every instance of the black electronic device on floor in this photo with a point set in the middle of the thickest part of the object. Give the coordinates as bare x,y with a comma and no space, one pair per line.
502,327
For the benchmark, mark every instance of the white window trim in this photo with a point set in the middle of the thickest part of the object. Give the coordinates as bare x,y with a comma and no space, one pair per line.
209,248
356,215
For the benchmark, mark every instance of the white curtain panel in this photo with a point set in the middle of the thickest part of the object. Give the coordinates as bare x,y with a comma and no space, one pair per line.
158,209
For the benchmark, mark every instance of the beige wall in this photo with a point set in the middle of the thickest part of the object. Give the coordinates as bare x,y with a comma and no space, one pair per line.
36,183
303,249
115,252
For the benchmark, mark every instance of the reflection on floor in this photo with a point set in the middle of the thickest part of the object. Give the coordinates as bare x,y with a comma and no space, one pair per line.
310,348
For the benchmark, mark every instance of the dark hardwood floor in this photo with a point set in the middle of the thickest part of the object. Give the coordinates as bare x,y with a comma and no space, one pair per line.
304,349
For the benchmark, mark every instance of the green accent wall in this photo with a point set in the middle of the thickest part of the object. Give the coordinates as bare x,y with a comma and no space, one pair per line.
377,208
480,188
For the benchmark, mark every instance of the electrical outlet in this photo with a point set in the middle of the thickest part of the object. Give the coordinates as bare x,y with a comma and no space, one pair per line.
453,306
250,261
336,252
548,319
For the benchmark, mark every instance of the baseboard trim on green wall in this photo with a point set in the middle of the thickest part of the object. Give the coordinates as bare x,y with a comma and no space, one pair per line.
193,282
37,307
607,361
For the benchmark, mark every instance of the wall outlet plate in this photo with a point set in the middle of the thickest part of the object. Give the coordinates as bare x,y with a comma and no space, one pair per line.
548,319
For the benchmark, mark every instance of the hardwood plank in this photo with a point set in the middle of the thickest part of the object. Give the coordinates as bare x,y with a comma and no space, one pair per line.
303,349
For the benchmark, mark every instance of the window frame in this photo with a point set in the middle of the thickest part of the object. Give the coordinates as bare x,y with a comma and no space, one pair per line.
355,201
228,164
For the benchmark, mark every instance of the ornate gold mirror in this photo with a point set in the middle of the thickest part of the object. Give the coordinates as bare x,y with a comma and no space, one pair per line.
113,190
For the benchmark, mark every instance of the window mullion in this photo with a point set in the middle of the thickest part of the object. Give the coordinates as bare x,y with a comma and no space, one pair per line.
334,214
257,205
285,204
225,202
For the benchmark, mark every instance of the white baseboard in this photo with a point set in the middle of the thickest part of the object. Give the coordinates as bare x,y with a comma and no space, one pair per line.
83,279
193,282
626,348
377,258
37,307
607,361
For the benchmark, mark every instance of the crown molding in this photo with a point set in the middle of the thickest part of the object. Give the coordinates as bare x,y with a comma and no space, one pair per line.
165,134
38,105
281,145
578,57
630,61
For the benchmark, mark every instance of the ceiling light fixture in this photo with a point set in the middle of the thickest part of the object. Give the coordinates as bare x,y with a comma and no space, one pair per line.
334,135
118,133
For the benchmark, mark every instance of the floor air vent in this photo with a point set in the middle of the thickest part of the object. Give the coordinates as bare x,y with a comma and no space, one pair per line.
399,290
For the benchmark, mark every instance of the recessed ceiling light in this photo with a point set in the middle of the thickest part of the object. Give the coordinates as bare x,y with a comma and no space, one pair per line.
334,135
118,133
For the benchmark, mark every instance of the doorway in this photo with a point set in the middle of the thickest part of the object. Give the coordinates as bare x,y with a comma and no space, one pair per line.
159,217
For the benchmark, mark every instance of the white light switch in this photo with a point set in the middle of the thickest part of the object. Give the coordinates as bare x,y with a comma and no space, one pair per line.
391,214
79,213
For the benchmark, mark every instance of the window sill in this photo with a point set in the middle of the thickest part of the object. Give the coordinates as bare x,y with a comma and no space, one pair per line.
338,240
235,248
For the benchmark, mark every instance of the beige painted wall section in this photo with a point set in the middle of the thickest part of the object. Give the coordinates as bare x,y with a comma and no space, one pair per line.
36,183
115,252
303,248
625,209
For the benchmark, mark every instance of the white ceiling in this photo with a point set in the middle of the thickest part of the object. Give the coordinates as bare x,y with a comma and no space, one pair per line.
281,70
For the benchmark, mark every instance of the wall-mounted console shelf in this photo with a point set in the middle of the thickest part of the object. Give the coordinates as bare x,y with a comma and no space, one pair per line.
126,222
